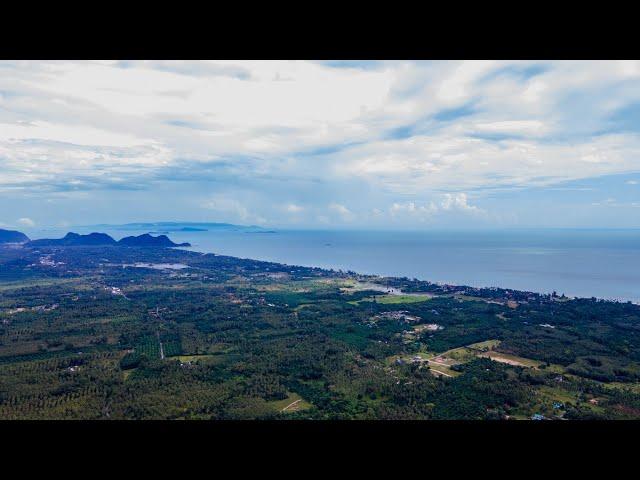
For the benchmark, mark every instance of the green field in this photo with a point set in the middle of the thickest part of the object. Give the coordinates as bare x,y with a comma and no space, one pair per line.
293,403
511,359
192,358
394,299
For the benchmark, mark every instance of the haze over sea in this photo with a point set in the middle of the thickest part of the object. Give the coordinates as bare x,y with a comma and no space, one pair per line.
583,263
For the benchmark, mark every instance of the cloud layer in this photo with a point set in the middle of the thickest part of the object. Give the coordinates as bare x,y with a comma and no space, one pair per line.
306,143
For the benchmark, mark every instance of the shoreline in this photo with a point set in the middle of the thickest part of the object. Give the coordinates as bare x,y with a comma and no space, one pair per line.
315,263
396,278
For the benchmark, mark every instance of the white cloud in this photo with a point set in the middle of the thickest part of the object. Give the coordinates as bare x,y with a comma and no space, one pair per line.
344,213
73,134
158,113
413,209
418,129
612,202
534,127
459,85
457,201
448,161
448,202
293,208
27,222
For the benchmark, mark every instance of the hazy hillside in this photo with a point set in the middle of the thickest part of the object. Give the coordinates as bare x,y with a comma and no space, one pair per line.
12,236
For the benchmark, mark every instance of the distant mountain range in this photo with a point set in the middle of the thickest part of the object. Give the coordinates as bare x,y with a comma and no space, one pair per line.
147,240
99,239
180,227
12,236
73,239
144,240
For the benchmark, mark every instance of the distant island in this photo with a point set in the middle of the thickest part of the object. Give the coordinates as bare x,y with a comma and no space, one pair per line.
12,236
181,227
102,239
147,240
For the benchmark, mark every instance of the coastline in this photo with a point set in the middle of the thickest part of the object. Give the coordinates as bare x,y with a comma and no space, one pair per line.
578,263
394,291
383,282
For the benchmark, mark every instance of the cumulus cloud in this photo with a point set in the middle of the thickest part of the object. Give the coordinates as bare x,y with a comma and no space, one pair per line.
444,161
413,130
343,212
293,208
412,208
27,222
448,202
458,201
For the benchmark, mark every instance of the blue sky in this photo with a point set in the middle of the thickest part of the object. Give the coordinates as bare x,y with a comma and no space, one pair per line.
394,145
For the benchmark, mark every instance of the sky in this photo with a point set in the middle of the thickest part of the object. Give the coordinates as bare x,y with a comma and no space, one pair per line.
321,144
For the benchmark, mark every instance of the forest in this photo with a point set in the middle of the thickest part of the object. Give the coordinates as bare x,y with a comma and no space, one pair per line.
101,332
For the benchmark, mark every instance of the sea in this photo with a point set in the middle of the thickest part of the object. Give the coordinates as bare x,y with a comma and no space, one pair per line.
577,262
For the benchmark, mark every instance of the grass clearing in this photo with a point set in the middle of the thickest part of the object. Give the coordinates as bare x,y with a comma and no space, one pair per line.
443,362
457,355
556,394
467,298
634,387
442,370
436,365
393,299
467,353
293,403
511,359
208,359
486,345
15,285
303,305
191,358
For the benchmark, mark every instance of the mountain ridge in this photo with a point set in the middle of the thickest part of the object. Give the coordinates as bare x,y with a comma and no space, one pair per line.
147,240
103,239
13,236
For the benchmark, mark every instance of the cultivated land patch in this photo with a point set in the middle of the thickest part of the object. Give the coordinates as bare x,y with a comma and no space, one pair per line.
632,387
437,366
511,359
467,353
192,358
442,363
40,283
394,299
293,403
